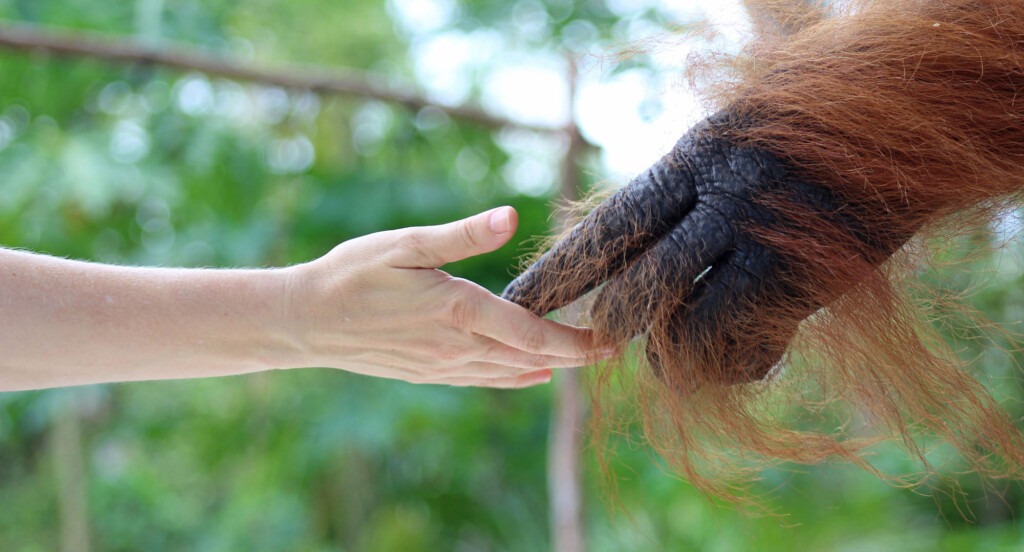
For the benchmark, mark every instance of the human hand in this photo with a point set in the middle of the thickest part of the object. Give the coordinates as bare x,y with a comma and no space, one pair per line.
377,305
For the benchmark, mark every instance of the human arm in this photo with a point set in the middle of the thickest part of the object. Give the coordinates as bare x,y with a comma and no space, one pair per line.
374,305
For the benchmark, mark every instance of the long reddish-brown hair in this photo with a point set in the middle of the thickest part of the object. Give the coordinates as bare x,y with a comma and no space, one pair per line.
912,113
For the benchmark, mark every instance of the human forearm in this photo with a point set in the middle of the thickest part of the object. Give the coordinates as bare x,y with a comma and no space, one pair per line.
375,305
69,323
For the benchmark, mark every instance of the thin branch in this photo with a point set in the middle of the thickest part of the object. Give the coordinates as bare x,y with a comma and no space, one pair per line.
325,80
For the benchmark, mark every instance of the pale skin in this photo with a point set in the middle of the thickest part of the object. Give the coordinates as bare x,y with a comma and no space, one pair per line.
376,305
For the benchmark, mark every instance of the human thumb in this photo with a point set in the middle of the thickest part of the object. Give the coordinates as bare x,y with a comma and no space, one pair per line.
434,246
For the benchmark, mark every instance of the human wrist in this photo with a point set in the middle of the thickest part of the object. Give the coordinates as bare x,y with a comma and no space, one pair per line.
240,319
286,331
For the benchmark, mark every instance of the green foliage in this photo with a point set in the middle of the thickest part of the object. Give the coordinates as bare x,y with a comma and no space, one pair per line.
142,165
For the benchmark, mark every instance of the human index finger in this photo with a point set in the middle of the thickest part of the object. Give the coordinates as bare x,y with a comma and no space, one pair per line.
517,327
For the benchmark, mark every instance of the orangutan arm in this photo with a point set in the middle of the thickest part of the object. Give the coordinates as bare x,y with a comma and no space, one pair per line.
852,138
792,224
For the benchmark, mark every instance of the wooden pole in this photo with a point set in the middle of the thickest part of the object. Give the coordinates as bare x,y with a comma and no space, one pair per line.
72,480
565,439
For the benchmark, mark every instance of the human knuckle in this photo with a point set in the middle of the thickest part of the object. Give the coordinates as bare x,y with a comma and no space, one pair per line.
466,235
384,237
535,361
451,352
507,371
461,313
412,242
525,361
533,340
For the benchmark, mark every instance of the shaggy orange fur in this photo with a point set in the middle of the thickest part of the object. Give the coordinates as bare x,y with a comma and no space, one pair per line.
911,112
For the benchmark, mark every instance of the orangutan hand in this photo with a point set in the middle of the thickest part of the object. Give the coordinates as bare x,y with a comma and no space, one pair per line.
377,305
677,257
885,120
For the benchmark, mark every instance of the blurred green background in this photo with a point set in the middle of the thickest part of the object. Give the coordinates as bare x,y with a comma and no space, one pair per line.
137,164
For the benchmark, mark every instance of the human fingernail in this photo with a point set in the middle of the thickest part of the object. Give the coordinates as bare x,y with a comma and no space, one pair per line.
543,376
499,221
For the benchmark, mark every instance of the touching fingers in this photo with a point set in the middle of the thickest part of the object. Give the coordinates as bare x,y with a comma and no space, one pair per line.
607,239
522,330
502,354
653,285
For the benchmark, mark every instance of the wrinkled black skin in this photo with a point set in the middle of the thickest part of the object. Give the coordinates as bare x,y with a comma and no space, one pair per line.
677,237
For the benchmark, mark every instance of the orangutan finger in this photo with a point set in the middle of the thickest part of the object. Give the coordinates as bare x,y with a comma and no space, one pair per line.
664,275
703,168
720,335
608,238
